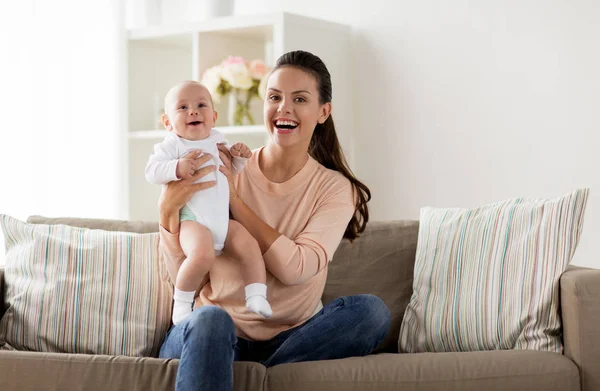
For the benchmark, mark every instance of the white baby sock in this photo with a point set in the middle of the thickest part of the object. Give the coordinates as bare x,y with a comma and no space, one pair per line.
256,299
183,305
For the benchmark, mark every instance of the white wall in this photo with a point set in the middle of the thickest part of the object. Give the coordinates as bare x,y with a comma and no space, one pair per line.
61,149
462,103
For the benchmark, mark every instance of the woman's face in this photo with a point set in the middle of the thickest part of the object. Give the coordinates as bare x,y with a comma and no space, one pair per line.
292,108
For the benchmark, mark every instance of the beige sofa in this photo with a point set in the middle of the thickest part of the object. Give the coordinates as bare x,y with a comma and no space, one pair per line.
380,262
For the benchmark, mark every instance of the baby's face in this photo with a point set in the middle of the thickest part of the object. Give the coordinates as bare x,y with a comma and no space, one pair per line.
190,113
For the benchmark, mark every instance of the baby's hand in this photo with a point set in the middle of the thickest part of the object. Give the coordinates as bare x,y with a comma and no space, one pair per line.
240,150
186,166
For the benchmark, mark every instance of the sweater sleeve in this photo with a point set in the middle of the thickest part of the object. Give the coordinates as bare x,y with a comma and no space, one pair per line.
238,164
162,164
295,260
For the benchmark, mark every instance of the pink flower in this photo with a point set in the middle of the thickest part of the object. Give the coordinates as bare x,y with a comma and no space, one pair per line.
234,60
258,69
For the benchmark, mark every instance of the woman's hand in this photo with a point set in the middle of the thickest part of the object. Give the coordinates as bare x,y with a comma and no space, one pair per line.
177,193
226,157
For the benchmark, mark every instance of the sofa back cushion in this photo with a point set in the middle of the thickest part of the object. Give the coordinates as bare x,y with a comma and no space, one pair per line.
140,227
79,290
379,262
487,278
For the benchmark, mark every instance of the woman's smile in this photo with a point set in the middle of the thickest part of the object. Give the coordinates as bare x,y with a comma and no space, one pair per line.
284,125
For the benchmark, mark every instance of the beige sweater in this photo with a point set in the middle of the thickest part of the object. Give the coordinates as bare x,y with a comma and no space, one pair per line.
311,211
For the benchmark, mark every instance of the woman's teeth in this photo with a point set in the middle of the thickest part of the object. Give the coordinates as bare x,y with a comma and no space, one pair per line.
288,125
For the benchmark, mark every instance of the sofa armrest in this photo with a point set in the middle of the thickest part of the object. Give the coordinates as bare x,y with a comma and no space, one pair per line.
580,311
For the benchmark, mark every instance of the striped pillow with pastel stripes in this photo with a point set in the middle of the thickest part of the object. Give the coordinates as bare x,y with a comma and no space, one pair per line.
487,278
78,290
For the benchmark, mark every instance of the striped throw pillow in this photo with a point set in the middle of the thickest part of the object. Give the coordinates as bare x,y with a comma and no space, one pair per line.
487,278
77,290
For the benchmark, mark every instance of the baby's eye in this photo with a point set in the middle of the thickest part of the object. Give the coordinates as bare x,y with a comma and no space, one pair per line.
202,105
182,107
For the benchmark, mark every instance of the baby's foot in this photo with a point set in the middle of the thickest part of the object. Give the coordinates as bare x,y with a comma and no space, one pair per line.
259,305
256,299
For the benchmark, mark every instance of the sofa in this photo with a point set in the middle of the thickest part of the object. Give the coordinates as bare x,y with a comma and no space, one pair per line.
380,262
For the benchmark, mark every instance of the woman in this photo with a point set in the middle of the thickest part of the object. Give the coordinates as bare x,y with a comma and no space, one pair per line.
297,199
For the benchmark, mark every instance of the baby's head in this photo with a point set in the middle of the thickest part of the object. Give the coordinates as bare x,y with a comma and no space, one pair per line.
189,111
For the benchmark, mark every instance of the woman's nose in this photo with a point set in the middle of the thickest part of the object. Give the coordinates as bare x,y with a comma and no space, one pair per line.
283,107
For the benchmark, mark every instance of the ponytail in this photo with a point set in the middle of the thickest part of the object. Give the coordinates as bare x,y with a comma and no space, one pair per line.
325,148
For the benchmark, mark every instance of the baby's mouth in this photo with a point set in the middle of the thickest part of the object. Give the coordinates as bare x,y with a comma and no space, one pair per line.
194,123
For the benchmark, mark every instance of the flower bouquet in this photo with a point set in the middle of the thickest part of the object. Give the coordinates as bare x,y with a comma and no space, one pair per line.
241,81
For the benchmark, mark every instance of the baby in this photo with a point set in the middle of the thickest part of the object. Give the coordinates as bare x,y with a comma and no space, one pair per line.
204,220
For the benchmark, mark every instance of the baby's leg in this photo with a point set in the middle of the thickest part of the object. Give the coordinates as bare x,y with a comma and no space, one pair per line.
241,246
244,248
197,244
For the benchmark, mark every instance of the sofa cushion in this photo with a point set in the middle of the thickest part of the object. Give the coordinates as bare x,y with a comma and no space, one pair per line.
72,290
379,262
490,371
141,227
66,372
488,278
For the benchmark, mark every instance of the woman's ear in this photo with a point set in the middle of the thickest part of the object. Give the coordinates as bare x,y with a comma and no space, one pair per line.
325,112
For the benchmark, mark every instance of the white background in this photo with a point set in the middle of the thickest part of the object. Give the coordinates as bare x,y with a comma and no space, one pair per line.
458,103
462,103
61,93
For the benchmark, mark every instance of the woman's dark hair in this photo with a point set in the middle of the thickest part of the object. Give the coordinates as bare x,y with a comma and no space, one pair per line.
324,145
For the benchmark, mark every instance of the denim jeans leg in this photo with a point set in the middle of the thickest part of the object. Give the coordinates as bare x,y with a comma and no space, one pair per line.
346,327
204,343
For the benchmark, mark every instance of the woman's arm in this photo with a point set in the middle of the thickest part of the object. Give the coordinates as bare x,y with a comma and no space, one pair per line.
264,234
295,260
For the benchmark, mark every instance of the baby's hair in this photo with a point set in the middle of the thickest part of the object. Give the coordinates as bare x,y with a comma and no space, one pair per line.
176,87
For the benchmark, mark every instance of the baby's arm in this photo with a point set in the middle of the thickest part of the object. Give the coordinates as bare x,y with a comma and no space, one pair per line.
240,153
162,164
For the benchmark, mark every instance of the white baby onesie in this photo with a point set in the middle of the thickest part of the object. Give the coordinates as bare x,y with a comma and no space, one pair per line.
210,206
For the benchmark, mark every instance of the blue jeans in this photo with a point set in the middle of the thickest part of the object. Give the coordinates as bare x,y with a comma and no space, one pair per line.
206,343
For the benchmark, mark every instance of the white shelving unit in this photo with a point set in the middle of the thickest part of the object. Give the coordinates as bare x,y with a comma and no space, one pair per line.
160,56
251,130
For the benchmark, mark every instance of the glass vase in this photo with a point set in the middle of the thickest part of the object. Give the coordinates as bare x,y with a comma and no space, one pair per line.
239,108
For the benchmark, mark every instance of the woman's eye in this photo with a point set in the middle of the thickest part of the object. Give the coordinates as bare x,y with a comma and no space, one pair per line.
273,97
300,99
